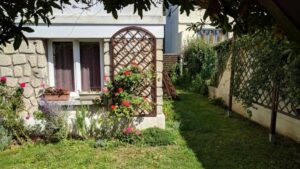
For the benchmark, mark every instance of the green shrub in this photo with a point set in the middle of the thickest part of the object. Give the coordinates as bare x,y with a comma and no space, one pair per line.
5,138
199,65
130,135
158,137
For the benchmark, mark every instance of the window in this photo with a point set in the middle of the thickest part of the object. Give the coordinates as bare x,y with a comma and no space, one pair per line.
63,63
75,65
90,66
211,36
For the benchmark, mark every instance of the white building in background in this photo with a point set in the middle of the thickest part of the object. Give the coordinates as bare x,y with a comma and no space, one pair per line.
176,33
75,53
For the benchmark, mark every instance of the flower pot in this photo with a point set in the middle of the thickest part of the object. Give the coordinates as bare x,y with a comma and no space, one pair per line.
53,97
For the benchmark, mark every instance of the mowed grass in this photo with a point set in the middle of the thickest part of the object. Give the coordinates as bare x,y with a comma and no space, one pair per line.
220,142
81,154
206,139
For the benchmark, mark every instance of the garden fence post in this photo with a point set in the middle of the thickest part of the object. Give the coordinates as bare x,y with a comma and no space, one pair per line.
231,81
275,95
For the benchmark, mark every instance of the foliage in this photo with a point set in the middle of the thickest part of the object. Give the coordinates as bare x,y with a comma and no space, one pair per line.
55,91
5,138
54,121
124,96
265,73
223,50
199,61
11,104
130,135
206,136
158,137
246,16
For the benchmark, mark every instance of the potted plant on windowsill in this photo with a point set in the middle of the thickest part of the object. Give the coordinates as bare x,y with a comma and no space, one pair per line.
89,95
56,94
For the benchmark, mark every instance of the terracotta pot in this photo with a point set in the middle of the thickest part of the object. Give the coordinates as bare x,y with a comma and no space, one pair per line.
52,97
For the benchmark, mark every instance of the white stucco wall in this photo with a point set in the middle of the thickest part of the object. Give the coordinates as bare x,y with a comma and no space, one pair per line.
285,125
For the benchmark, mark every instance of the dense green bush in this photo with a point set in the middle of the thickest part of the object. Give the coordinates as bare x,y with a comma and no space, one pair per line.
158,137
198,66
11,104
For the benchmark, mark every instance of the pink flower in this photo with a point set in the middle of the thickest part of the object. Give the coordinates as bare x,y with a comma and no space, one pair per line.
133,63
105,78
3,79
22,85
126,103
105,90
137,132
120,89
129,130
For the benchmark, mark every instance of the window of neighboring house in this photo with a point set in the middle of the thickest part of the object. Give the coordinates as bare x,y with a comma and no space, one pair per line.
75,66
212,36
63,64
90,66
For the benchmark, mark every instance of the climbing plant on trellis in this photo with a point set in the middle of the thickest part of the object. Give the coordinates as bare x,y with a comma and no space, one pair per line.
135,44
263,73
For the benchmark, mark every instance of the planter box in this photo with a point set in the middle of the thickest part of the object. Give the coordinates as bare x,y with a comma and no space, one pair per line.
52,97
89,95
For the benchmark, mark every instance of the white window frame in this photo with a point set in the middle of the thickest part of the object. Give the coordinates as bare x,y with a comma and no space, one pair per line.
76,62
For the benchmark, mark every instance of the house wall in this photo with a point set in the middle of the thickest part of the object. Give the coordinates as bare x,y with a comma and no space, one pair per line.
27,64
285,125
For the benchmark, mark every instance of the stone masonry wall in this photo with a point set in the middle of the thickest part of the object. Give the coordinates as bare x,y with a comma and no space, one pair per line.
27,64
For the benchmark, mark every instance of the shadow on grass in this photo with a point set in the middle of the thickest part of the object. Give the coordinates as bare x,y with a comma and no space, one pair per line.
221,142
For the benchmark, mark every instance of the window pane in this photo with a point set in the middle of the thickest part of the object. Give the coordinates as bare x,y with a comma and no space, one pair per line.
90,66
64,68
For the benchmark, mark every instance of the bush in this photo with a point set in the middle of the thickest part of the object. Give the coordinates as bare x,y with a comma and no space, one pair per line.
5,138
11,104
54,119
158,137
199,65
130,135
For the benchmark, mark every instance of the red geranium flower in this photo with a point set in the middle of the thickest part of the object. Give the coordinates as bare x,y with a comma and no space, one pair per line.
3,79
120,89
127,72
22,85
113,106
126,103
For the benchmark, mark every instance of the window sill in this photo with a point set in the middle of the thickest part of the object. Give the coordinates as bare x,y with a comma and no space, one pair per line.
70,102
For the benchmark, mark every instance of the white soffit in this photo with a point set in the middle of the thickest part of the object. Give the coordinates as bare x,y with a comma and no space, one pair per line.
86,31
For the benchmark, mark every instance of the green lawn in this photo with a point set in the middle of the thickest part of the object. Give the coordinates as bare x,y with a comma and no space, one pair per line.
206,139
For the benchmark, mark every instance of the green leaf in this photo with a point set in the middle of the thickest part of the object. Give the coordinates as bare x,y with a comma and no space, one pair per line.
17,41
27,29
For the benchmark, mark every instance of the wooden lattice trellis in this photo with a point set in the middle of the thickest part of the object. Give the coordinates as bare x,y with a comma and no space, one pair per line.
136,44
281,97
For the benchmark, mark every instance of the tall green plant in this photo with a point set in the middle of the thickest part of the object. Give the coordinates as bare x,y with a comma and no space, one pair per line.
199,61
11,104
